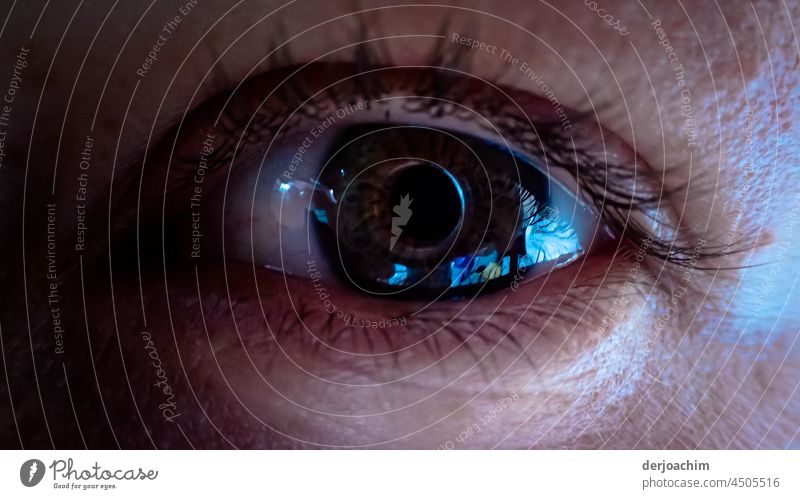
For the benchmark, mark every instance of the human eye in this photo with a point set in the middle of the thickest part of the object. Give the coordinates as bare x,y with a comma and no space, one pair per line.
402,210
321,193
388,206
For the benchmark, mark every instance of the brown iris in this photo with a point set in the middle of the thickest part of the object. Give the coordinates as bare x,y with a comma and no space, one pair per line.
416,200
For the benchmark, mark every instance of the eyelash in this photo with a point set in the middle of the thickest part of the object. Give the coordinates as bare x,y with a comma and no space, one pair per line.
613,189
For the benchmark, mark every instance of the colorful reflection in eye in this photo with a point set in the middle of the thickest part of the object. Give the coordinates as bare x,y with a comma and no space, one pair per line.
412,212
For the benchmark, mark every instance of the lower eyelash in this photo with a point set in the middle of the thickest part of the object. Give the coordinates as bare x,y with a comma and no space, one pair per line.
430,328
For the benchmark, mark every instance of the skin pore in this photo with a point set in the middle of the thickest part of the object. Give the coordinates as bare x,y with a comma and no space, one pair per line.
184,357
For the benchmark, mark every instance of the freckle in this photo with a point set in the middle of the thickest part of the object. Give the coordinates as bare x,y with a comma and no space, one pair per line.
765,239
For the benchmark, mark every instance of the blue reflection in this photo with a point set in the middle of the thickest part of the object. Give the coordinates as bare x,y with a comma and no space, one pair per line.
546,245
466,270
322,217
506,266
400,275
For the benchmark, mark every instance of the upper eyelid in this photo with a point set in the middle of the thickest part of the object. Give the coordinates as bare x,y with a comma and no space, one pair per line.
234,125
541,139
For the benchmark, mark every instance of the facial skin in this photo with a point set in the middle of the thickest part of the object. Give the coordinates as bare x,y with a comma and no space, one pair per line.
186,357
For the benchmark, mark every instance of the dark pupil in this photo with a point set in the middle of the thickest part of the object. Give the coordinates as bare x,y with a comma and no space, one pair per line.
435,204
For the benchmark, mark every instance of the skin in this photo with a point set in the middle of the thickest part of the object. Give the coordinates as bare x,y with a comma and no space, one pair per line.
721,372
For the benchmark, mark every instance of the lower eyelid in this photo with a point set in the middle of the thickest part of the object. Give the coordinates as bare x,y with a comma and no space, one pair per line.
528,319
